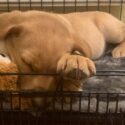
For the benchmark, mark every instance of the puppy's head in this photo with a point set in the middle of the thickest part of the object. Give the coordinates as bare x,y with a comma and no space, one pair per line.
38,43
35,47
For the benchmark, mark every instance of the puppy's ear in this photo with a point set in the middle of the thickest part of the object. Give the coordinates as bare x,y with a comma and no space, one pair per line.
13,32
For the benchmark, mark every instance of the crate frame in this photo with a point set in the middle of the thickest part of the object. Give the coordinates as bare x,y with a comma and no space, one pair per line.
55,117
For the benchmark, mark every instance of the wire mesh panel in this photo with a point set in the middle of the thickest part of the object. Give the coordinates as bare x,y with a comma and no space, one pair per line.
51,114
115,7
18,107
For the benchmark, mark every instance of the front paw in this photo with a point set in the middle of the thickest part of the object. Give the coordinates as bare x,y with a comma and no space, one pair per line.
75,67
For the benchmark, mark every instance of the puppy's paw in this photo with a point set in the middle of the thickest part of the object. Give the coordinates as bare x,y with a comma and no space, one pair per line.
75,67
119,52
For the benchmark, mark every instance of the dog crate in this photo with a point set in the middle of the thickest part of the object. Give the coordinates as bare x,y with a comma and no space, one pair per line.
89,108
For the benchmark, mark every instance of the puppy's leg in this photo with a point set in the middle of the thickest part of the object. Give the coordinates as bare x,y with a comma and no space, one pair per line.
114,33
72,86
119,51
75,67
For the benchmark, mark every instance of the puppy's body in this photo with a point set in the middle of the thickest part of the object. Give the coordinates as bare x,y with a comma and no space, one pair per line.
97,28
44,42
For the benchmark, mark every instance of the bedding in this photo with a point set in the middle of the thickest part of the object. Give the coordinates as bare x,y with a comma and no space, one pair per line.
108,86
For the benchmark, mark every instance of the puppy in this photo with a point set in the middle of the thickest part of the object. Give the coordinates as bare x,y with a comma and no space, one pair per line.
64,44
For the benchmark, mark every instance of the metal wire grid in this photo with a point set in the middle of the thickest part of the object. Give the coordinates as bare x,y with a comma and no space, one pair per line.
63,6
53,116
19,95
70,117
15,116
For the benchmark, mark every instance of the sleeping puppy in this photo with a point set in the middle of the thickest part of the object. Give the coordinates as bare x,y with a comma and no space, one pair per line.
64,44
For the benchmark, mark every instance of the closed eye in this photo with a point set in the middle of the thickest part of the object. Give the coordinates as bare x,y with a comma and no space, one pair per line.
2,54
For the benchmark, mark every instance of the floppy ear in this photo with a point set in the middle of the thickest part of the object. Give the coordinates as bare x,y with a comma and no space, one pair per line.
13,32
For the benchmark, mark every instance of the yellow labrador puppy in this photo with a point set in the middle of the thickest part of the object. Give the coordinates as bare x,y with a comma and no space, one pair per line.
64,44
